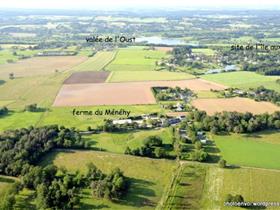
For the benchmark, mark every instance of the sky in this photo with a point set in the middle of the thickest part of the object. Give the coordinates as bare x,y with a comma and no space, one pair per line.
122,4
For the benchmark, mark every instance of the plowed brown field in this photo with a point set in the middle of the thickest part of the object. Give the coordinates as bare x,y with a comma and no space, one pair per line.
129,93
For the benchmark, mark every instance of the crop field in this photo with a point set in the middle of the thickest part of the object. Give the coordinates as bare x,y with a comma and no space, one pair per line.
117,142
38,89
164,49
244,80
257,150
148,176
96,63
130,93
211,106
130,76
135,59
87,77
40,66
253,184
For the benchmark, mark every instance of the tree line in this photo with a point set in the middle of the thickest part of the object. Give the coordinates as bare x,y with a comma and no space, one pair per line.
232,122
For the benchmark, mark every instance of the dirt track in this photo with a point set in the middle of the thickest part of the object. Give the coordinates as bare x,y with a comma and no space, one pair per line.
130,93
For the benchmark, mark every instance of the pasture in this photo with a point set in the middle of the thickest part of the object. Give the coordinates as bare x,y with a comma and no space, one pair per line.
257,150
135,59
244,80
255,185
40,66
117,142
211,106
148,177
130,76
129,93
96,63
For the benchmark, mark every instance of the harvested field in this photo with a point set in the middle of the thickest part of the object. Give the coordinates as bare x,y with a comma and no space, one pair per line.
87,77
164,49
40,66
211,106
130,93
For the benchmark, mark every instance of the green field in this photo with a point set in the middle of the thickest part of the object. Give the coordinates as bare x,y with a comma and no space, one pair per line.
97,62
187,189
244,80
257,150
29,90
7,54
117,142
253,184
148,177
206,94
126,76
135,59
5,183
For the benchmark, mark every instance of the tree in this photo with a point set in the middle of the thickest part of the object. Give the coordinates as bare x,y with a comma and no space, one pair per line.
198,145
222,163
159,152
11,76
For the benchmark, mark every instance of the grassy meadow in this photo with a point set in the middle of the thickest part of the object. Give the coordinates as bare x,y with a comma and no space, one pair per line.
244,80
148,177
259,150
253,184
135,59
117,142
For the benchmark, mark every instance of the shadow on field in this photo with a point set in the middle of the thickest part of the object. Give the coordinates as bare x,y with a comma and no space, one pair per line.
213,151
2,82
138,193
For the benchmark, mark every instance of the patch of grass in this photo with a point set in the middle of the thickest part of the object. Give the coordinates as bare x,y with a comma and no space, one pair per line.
5,184
135,59
148,177
249,150
125,76
206,94
255,185
15,120
97,62
244,80
117,142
